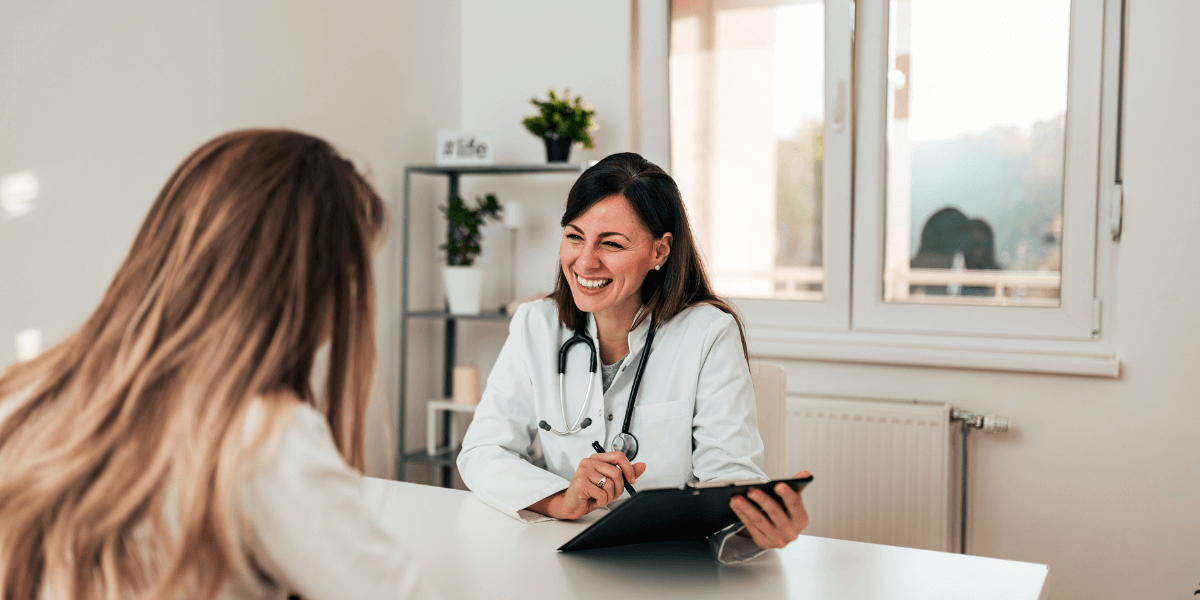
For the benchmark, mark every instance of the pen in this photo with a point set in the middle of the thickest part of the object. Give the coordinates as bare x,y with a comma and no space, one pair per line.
600,449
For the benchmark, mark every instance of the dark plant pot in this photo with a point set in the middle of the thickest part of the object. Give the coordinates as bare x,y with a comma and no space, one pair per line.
558,147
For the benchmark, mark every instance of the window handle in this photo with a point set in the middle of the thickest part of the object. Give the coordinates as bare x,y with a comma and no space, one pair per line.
839,110
1116,206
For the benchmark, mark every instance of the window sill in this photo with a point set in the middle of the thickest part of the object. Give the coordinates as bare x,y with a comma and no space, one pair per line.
1094,358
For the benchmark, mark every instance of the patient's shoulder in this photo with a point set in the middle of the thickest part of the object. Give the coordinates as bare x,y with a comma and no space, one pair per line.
271,417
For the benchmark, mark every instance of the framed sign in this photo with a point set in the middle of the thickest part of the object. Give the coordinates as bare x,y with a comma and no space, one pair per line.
458,147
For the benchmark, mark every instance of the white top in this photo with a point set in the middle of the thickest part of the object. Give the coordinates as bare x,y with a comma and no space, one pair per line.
311,530
694,417
469,550
313,533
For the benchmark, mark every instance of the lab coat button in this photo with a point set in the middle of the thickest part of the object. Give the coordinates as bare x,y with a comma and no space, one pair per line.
609,417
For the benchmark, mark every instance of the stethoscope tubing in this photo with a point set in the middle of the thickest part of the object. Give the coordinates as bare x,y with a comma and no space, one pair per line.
562,397
637,378
628,441
578,425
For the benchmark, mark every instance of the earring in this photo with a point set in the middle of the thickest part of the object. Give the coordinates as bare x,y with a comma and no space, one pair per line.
656,267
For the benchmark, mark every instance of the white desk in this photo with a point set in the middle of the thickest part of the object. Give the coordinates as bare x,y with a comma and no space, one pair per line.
469,550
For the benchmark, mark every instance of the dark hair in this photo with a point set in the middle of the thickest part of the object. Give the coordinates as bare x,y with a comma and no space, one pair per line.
948,232
682,282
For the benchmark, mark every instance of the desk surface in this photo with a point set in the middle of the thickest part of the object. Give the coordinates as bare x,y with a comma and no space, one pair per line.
469,550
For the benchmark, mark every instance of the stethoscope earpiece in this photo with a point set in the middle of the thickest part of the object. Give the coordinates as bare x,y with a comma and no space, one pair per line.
583,425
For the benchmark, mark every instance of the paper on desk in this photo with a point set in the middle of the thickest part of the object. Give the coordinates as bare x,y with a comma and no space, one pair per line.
529,516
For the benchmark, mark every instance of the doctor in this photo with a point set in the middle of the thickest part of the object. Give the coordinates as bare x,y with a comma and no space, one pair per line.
577,372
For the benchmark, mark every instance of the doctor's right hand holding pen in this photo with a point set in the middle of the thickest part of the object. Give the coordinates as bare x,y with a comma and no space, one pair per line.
600,479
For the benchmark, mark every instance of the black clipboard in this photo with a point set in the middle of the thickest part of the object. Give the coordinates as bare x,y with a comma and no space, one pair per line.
681,514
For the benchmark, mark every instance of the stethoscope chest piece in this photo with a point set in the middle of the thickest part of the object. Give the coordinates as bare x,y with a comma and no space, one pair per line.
626,444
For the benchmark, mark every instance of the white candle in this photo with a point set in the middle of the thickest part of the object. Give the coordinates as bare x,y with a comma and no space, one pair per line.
466,384
512,214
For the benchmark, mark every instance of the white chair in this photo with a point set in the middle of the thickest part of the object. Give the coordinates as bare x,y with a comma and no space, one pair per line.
770,395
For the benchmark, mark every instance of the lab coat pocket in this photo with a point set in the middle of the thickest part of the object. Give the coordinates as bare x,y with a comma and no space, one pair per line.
664,433
677,409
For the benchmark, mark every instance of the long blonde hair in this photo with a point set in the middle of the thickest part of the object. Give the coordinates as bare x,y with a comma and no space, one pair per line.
257,249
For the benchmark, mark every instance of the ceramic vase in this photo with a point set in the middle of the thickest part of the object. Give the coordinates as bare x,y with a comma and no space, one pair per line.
464,289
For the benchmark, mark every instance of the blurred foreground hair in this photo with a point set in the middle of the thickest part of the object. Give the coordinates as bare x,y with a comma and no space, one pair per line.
122,451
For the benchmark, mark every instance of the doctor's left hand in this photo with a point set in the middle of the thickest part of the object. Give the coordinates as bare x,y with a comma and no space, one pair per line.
767,523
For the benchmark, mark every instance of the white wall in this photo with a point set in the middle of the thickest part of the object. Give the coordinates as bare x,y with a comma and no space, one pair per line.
103,100
1099,478
513,51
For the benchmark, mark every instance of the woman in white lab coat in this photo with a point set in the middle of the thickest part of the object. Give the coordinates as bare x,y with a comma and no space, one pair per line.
627,263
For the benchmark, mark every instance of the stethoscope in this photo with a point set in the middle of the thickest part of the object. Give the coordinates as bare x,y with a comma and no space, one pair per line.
624,442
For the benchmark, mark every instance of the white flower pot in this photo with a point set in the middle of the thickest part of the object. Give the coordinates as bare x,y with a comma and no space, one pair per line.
464,289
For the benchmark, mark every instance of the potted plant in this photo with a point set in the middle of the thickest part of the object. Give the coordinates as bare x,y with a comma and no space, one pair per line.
464,281
562,122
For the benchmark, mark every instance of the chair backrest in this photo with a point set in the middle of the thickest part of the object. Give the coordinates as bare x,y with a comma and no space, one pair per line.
770,395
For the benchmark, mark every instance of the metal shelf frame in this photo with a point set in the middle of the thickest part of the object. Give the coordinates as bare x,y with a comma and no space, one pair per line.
446,458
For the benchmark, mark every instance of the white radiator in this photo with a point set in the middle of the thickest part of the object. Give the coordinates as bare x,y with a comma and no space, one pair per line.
882,470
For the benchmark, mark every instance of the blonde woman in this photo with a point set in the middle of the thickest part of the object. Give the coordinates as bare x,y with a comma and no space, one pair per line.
172,447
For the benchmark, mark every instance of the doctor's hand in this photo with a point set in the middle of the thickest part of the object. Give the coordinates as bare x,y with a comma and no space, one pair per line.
767,523
584,494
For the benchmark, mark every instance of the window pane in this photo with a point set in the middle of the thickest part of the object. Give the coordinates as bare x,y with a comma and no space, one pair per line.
978,94
747,118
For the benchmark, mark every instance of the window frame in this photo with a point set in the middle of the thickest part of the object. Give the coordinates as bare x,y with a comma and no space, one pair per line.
832,312
1081,343
1073,319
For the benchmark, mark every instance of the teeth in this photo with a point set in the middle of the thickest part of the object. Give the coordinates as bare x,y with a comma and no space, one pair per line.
592,284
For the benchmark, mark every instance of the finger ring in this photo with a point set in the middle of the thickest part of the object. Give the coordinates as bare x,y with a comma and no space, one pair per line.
603,480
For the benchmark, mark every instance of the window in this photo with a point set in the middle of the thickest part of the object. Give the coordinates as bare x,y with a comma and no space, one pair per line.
976,121
761,140
912,173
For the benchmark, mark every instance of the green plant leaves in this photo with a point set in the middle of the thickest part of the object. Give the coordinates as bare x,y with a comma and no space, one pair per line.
463,236
563,116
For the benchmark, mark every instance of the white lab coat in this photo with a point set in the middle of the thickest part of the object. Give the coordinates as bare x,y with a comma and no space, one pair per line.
694,417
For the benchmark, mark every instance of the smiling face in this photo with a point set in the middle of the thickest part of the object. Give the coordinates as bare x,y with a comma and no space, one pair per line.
605,254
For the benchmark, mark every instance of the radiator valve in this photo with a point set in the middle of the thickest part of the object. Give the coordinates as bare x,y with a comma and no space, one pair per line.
988,423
